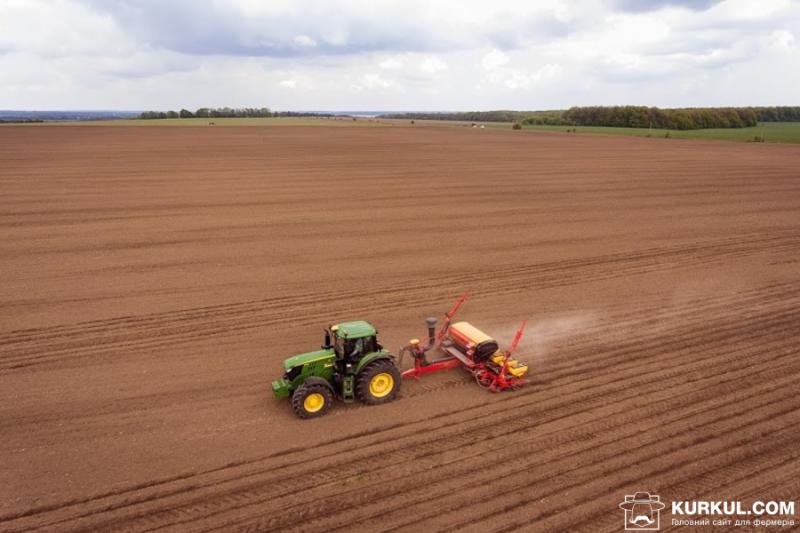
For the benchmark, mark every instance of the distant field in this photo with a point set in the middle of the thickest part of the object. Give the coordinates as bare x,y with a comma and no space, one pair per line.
776,132
280,121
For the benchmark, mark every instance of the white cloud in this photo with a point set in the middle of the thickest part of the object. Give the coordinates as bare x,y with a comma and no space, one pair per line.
410,54
372,81
518,79
392,63
548,72
305,40
432,65
747,10
781,40
494,60
60,29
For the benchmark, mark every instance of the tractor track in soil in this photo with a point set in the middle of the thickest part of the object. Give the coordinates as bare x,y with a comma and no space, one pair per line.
695,311
618,347
342,472
497,279
147,304
194,324
349,503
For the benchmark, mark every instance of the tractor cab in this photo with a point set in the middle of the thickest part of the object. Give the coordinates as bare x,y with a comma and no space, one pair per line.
355,345
351,341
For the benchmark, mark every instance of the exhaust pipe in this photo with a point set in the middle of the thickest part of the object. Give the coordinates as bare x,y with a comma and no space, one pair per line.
417,351
431,322
326,344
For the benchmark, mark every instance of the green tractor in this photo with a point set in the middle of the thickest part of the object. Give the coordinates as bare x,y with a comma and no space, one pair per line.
351,365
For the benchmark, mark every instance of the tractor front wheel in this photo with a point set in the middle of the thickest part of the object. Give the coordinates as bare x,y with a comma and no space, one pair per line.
378,383
311,400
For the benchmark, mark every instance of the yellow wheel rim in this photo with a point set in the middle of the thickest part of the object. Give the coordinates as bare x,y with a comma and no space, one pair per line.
314,402
381,384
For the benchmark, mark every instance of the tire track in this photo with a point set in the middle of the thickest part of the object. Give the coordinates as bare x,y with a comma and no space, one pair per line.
662,461
432,492
192,325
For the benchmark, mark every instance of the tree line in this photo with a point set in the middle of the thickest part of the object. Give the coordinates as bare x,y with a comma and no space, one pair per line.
226,112
20,120
691,118
653,117
206,112
777,113
626,116
466,116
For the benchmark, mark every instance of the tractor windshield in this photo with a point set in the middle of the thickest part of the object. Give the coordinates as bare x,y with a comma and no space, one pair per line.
354,349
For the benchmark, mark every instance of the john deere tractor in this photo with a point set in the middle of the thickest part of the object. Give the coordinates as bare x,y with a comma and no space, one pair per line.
351,365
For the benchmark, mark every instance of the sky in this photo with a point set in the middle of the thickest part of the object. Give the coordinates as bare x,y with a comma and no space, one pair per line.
397,55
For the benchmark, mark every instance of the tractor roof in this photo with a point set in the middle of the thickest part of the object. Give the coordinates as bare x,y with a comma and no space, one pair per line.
354,330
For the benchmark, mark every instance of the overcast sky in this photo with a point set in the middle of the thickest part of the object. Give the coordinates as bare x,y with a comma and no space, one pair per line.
397,55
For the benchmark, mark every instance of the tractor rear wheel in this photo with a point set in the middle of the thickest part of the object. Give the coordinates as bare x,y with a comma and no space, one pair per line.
311,400
378,382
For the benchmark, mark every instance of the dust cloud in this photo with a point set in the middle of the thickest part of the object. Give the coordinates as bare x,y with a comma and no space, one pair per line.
541,334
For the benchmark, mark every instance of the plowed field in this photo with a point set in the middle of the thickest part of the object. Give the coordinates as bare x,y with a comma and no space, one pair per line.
153,279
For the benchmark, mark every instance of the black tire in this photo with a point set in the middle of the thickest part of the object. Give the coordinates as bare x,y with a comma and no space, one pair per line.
378,370
306,400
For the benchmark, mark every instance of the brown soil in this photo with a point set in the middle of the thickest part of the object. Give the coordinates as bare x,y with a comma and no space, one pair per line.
153,279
